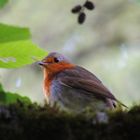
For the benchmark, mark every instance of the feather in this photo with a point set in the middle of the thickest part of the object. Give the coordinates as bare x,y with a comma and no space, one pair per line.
85,81
93,88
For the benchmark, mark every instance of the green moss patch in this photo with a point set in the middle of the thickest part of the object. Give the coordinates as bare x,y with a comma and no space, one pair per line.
21,121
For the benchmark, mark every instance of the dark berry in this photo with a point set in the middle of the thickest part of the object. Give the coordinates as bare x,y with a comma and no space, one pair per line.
81,18
89,5
76,9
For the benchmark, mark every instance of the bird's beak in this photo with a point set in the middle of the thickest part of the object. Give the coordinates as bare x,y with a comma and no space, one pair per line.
41,63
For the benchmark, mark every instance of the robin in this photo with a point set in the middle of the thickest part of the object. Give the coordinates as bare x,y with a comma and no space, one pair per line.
72,87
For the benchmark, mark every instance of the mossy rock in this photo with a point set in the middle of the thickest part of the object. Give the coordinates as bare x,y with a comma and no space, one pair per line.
21,121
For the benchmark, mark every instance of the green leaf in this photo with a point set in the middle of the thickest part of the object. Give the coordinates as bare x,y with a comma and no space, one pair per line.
12,33
8,97
2,3
16,48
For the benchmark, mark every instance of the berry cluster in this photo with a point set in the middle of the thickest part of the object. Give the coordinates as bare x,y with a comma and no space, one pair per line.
79,9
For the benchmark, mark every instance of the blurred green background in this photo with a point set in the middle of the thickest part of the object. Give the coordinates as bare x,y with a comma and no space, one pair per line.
107,44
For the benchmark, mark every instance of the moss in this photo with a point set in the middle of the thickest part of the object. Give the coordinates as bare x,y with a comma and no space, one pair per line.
21,121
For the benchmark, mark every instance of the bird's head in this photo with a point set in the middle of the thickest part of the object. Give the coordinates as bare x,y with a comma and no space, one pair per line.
55,62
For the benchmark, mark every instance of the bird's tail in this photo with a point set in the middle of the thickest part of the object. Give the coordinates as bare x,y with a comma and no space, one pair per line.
122,104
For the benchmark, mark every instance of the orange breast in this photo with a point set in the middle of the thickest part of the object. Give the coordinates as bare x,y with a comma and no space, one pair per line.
51,71
47,84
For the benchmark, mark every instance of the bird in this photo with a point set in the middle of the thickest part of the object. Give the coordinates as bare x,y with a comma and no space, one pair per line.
72,87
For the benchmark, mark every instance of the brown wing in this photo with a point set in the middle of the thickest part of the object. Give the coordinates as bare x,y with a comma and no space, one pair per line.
81,78
79,72
94,88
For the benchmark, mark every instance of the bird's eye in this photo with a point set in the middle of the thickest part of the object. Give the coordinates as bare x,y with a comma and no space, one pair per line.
56,60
